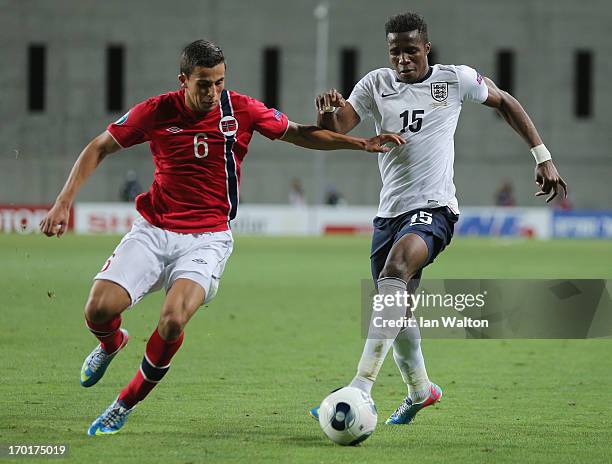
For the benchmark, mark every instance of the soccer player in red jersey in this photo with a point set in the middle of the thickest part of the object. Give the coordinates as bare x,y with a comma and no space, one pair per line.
199,137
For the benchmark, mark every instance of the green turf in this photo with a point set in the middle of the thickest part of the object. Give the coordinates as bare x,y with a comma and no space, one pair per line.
282,333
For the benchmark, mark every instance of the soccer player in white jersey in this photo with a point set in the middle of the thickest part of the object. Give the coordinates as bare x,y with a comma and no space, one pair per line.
418,207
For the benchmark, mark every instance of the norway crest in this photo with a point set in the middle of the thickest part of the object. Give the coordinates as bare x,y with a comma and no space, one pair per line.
439,91
228,126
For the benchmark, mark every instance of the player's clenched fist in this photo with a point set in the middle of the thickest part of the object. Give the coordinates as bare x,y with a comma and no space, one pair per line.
327,101
56,221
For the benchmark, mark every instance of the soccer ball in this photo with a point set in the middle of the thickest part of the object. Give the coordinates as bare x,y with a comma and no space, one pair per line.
348,416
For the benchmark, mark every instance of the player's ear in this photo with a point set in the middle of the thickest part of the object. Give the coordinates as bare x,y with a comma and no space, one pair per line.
182,78
427,48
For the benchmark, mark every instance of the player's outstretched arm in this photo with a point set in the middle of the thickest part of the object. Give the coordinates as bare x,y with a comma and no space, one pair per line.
546,175
322,139
335,113
56,220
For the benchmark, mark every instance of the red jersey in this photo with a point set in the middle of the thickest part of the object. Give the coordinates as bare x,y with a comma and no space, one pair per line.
197,157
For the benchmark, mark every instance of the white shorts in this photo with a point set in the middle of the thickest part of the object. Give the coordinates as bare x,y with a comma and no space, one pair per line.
149,258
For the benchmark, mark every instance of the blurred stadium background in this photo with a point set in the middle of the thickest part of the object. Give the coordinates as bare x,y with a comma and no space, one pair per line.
73,67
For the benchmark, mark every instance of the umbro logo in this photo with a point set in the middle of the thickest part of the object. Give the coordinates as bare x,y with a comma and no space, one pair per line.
388,94
174,129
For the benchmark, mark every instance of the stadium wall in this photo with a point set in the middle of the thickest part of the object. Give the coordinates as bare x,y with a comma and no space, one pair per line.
272,220
38,148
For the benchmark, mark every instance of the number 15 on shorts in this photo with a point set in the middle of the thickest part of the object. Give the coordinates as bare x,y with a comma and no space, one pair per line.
422,217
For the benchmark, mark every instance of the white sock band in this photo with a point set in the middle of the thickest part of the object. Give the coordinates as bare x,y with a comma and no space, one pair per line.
363,384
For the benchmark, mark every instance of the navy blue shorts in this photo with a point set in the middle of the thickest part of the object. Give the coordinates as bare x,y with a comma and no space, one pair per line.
434,225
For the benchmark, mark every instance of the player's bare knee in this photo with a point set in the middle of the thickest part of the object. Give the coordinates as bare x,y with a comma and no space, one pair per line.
97,309
397,269
171,325
103,304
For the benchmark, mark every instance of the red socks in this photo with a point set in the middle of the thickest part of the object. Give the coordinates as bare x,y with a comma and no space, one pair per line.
155,363
107,333
154,366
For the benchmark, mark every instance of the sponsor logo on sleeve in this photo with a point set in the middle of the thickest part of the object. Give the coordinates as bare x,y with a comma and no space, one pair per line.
478,78
277,114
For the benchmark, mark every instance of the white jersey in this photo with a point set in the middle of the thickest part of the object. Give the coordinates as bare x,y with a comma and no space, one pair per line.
420,173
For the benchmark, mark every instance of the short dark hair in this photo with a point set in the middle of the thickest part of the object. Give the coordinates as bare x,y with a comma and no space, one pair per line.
407,22
200,53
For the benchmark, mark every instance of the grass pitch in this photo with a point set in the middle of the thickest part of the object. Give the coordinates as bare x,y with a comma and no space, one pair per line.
282,333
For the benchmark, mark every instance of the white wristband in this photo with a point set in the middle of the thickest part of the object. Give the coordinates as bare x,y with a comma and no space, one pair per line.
540,153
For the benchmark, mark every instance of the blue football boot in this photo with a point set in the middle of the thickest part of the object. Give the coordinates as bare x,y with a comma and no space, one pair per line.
406,411
98,360
111,420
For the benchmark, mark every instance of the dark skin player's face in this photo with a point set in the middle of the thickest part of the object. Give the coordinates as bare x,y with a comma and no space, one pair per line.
408,55
203,87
